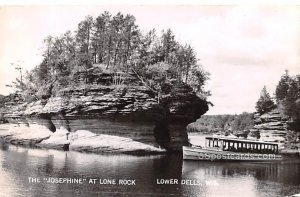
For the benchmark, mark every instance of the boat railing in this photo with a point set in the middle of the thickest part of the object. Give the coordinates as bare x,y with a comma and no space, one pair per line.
245,146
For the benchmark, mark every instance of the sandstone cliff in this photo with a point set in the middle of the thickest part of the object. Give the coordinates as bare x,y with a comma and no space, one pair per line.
273,127
130,111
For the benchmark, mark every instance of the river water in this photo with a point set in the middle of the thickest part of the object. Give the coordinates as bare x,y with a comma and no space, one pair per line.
25,172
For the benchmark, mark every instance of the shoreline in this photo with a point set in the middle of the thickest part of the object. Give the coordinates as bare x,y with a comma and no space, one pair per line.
289,152
80,140
85,141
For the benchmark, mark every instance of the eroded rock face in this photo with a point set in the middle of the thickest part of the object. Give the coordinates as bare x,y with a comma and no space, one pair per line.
25,133
271,126
130,112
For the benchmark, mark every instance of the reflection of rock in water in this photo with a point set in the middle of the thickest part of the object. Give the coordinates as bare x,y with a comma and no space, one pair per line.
168,166
280,172
287,173
247,178
3,145
53,163
238,178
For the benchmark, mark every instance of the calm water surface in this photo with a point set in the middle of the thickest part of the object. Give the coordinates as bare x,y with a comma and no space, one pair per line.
211,178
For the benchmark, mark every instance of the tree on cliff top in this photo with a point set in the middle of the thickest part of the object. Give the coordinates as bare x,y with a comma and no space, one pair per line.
117,45
282,87
291,103
264,103
18,83
288,97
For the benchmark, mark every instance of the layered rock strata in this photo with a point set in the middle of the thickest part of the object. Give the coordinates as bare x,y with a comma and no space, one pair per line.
271,126
130,111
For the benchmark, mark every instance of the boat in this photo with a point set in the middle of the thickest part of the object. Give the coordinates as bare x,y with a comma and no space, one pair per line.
232,149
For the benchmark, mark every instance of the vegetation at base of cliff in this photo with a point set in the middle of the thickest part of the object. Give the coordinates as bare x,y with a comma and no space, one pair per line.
222,123
287,99
116,46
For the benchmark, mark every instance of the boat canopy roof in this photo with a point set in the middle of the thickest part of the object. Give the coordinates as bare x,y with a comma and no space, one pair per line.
240,140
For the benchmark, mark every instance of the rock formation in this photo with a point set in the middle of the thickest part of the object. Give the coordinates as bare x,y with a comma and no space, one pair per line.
271,126
129,111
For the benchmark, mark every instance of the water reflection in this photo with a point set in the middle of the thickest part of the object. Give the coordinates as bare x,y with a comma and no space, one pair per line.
213,178
26,162
8,187
245,179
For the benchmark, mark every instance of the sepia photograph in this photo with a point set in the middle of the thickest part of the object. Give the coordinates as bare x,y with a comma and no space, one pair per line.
183,99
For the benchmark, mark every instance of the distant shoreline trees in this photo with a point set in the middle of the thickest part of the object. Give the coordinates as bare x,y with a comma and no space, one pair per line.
223,123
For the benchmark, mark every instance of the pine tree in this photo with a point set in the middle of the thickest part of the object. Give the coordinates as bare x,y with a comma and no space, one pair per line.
83,39
159,62
264,103
291,104
289,101
282,87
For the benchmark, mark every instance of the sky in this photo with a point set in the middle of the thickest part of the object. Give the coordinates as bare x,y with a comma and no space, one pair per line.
243,47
